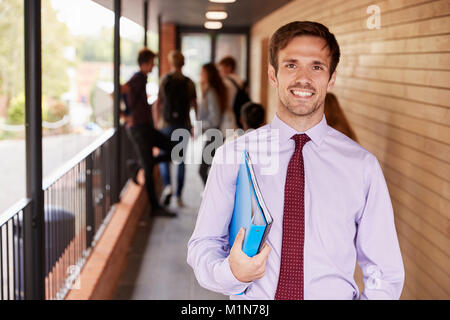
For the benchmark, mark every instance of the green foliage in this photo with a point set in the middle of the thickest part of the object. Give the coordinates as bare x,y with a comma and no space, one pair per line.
11,48
89,48
55,40
16,111
129,51
54,111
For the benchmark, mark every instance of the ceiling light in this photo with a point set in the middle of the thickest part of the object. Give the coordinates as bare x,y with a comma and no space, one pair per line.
216,15
223,1
213,24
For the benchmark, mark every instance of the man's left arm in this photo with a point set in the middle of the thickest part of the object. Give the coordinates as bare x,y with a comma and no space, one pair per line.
378,251
208,247
159,103
193,101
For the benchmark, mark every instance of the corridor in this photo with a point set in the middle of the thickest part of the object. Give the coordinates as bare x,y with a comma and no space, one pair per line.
71,221
156,262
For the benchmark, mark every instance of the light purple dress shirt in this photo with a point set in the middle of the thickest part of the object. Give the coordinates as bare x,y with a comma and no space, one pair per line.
348,216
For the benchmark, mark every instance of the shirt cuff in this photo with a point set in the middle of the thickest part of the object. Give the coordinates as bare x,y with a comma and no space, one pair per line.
226,279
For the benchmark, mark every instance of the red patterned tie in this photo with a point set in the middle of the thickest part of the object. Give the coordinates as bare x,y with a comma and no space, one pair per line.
290,281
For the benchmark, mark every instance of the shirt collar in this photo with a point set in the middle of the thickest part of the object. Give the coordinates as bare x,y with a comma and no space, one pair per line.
316,133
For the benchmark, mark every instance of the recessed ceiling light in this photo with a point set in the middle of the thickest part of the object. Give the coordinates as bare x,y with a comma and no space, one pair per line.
223,1
216,15
213,24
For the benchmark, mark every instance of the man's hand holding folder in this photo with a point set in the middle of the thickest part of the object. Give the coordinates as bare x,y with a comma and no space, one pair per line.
243,267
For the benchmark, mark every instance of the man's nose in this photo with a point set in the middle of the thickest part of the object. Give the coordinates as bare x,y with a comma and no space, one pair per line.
303,75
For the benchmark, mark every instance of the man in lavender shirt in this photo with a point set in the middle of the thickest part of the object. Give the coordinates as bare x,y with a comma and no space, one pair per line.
348,211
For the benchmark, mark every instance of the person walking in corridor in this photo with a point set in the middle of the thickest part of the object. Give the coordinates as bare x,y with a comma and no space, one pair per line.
327,195
237,95
212,107
336,118
141,129
252,116
176,96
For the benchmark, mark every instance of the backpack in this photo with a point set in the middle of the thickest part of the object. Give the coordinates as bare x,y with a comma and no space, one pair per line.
176,100
239,100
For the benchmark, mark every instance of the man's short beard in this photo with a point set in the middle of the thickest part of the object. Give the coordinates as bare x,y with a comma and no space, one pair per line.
315,109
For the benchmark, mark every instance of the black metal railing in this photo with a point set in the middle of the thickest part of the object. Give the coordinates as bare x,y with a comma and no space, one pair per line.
77,203
77,199
45,239
11,252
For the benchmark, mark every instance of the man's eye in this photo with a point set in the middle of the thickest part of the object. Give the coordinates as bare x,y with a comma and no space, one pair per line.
290,65
317,67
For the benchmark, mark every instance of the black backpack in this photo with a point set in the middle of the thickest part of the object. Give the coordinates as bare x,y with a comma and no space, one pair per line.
240,99
176,100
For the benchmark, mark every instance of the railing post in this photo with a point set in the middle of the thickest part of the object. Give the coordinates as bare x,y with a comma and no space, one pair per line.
115,181
89,203
145,21
34,224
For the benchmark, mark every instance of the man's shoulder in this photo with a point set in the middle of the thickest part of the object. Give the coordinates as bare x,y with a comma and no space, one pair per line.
189,81
345,146
235,78
250,138
165,78
137,77
176,76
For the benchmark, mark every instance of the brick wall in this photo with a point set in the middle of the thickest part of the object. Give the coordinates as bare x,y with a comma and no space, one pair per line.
393,84
168,42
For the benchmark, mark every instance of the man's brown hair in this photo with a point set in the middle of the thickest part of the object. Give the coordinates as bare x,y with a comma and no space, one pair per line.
145,55
228,62
281,38
176,58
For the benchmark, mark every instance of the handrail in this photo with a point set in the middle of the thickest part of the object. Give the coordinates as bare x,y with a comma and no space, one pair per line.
45,124
21,204
56,124
83,154
13,210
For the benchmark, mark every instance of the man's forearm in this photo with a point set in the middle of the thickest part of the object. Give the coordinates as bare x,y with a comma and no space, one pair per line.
211,267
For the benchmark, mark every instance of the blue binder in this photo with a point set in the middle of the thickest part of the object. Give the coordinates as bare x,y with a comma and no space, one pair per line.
249,211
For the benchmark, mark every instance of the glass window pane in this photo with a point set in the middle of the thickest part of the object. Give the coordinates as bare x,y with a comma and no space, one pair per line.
77,77
131,41
234,45
196,48
12,104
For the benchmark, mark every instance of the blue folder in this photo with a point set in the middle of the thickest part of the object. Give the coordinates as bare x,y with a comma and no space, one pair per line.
249,211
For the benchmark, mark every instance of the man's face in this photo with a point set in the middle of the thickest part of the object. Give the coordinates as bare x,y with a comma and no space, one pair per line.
147,67
303,76
224,70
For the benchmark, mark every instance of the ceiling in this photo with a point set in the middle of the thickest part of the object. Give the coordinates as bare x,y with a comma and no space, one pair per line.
241,13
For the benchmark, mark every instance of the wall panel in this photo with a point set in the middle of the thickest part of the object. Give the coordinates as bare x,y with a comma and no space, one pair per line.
394,86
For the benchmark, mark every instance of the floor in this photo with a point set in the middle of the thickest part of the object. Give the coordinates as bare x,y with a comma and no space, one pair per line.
156,266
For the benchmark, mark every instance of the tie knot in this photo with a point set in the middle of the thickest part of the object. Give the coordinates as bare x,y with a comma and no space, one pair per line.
300,140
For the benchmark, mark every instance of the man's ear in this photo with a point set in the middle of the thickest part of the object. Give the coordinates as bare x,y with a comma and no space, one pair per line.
272,76
332,81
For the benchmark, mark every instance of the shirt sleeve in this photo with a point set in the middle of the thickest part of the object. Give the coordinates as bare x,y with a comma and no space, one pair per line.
208,248
378,250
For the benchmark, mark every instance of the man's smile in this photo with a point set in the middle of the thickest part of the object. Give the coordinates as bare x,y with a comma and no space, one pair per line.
302,93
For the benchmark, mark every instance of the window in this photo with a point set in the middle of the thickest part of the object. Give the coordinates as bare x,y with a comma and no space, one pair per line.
131,41
234,45
196,48
12,104
77,77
